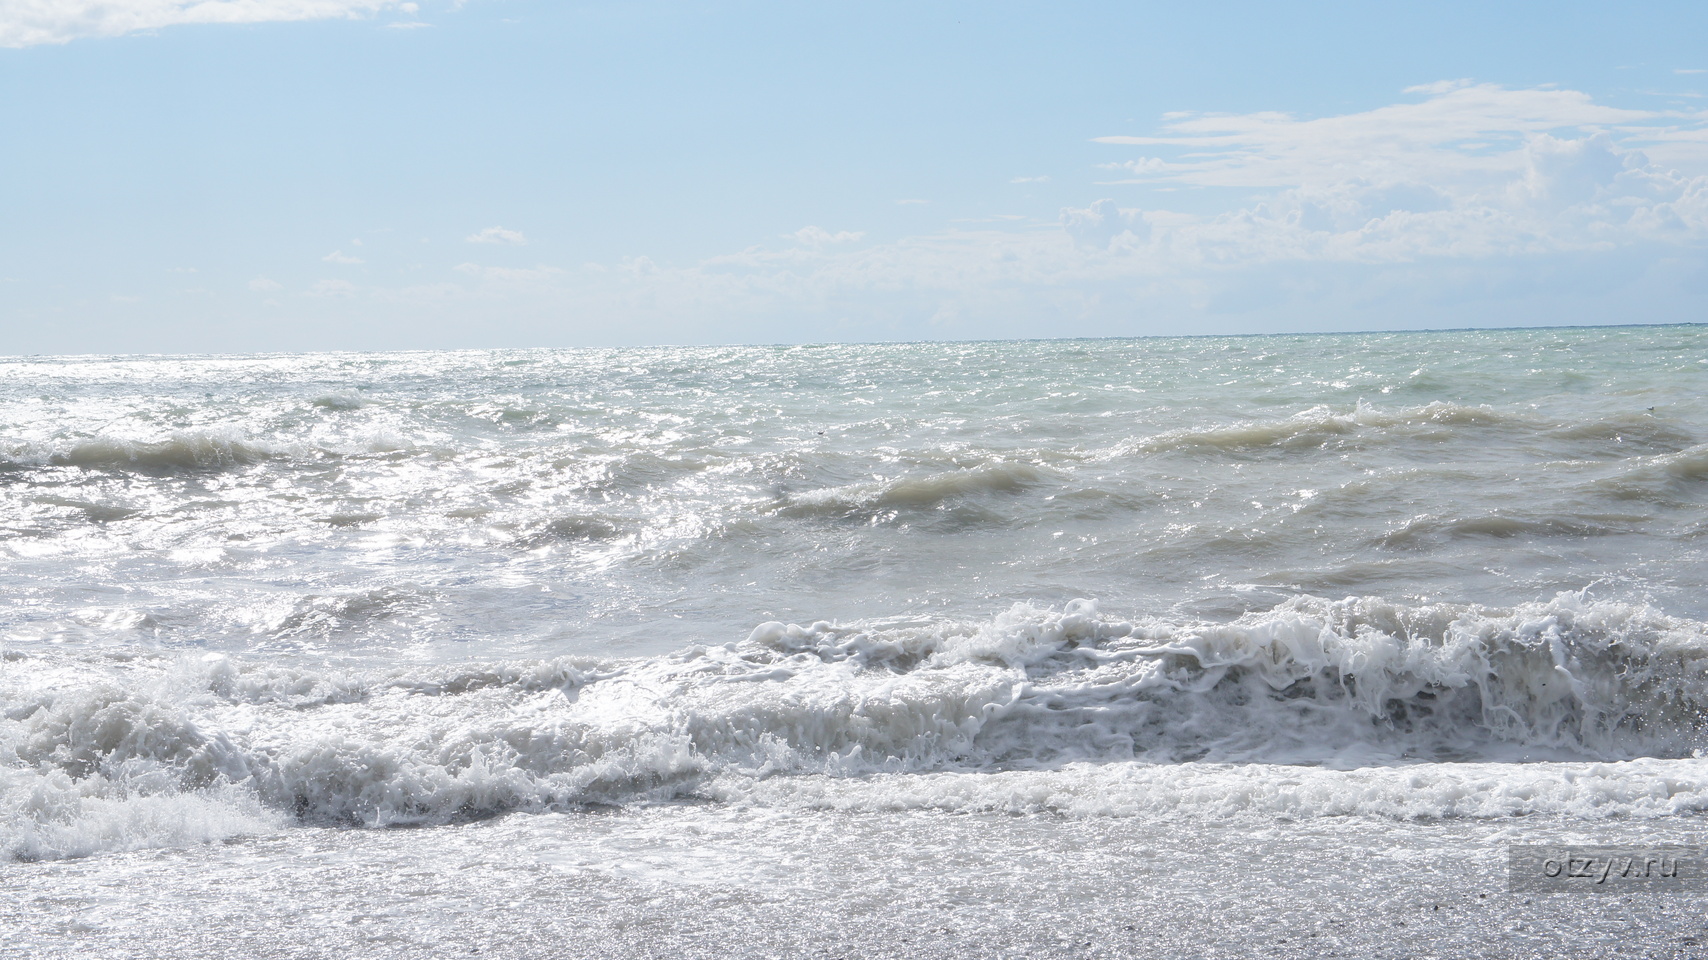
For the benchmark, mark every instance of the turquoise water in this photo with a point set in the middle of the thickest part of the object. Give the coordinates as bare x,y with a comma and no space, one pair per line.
636,500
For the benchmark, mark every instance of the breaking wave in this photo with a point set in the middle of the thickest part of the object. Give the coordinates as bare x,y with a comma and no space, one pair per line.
1314,708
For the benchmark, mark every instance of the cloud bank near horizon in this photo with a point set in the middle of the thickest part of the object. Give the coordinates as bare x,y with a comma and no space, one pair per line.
1466,186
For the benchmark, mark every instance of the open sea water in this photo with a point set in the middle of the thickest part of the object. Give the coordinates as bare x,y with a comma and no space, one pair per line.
1244,646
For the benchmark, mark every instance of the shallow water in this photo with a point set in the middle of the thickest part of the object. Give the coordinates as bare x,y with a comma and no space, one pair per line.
855,614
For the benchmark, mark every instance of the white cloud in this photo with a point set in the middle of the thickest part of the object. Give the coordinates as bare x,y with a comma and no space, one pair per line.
639,267
1142,167
332,288
339,256
25,23
422,294
1469,170
509,274
818,236
1466,198
1472,191
1099,224
264,285
1044,179
1458,132
497,235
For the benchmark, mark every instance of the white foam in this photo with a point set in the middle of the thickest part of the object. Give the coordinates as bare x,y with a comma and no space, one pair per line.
1397,711
50,816
1642,788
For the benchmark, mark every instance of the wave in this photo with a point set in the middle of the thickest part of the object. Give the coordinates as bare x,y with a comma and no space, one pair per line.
1422,531
92,511
912,494
328,615
1320,425
196,452
1667,478
1626,434
570,530
184,452
1314,708
56,816
340,400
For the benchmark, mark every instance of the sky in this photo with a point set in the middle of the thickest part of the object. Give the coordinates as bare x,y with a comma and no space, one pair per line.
265,175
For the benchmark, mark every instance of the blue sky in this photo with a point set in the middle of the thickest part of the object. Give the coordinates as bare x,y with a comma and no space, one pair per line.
241,175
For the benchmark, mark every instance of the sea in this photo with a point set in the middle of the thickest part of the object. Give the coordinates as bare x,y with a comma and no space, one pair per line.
1178,647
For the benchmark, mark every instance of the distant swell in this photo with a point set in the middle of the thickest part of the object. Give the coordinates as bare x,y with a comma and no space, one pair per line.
1034,710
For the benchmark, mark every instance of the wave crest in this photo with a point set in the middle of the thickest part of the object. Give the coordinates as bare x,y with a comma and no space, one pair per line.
1320,425
936,491
930,709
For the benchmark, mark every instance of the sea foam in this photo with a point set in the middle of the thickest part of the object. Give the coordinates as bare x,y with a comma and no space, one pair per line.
1314,708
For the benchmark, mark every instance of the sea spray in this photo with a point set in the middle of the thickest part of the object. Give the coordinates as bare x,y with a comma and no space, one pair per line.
1081,713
